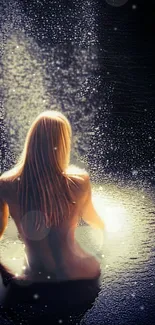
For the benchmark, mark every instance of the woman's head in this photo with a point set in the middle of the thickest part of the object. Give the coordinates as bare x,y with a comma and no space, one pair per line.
43,182
46,157
49,141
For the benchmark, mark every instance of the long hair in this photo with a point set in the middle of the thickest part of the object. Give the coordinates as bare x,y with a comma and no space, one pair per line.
43,184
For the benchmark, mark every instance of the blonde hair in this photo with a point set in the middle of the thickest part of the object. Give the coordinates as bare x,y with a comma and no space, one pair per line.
41,170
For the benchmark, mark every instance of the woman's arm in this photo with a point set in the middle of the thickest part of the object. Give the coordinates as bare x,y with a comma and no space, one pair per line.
4,213
88,212
4,208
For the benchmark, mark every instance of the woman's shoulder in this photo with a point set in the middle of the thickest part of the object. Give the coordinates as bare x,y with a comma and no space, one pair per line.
3,183
4,188
7,187
80,177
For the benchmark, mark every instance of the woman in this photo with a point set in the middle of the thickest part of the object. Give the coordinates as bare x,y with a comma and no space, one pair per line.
46,202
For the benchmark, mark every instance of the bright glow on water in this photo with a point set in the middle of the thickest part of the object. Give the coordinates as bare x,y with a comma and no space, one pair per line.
113,215
114,218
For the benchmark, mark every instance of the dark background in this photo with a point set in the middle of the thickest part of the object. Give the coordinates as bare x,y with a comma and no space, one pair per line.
130,60
123,142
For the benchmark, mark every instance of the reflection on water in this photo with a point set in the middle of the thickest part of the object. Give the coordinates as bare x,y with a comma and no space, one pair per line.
127,295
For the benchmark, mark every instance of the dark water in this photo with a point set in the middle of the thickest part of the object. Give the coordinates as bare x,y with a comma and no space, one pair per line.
96,61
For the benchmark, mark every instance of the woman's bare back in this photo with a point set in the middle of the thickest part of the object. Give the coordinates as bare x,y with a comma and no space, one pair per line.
58,252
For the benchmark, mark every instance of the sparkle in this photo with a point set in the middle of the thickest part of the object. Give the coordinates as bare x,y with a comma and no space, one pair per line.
115,28
55,148
16,274
134,172
35,296
133,295
102,255
142,307
23,267
134,7
151,283
83,99
60,321
48,277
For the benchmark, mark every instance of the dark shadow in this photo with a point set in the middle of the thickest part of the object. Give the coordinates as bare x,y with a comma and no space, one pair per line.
47,302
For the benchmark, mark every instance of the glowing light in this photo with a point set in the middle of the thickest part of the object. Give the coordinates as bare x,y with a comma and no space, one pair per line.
112,214
23,267
114,218
134,7
24,86
72,169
